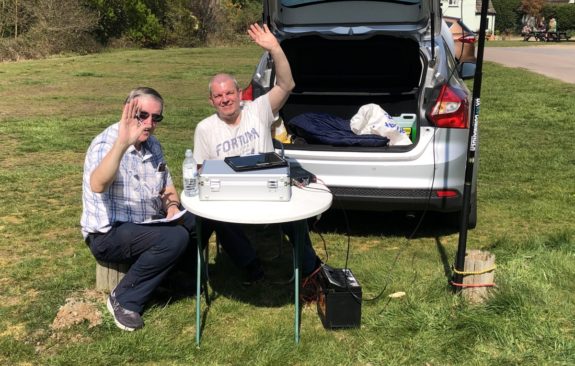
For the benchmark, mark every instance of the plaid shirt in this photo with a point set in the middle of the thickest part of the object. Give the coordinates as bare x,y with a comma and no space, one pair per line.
135,194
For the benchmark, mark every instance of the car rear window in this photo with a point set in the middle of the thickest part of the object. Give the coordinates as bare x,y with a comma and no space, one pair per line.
294,3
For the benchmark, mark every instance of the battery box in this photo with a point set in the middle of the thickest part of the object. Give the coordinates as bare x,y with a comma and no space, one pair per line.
339,300
219,182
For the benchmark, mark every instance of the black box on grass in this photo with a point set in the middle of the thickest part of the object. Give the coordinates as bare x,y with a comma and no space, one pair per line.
339,300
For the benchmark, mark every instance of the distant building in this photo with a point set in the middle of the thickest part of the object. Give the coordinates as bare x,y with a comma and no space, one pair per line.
470,13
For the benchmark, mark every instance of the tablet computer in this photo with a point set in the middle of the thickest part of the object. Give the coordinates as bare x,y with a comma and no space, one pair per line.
256,161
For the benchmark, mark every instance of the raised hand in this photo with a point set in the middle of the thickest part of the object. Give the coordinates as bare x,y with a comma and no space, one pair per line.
262,36
130,127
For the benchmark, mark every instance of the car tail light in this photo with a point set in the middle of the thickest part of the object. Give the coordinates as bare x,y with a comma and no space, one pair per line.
447,193
451,109
248,93
467,39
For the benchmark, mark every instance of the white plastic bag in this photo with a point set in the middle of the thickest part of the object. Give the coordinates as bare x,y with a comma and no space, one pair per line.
371,119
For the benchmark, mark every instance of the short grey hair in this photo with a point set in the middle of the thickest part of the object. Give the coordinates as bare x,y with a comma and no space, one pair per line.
222,77
142,91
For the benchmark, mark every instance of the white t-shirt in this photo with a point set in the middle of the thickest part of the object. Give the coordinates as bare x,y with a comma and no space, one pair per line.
214,139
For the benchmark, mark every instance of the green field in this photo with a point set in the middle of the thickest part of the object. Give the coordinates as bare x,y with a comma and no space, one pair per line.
50,111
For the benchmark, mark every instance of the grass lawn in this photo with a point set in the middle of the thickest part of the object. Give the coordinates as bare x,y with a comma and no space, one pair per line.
50,111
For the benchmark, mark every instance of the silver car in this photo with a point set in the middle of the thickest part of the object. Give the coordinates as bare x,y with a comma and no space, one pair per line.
397,55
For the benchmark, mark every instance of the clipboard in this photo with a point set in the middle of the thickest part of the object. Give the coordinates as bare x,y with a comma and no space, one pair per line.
257,161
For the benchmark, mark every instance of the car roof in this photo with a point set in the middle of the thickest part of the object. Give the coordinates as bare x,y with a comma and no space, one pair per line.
351,16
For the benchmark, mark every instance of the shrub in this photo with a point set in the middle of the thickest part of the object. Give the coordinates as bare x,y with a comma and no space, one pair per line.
563,13
57,27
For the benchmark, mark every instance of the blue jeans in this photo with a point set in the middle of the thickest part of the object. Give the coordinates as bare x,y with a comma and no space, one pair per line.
152,250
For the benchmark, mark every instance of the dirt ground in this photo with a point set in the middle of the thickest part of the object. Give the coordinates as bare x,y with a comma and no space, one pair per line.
79,309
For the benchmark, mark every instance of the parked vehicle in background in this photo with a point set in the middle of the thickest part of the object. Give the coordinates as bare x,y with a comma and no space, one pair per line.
464,39
398,55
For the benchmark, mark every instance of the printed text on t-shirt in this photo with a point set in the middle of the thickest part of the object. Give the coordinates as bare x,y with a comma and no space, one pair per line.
237,142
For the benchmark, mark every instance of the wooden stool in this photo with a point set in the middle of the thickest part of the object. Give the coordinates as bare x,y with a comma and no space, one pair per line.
109,274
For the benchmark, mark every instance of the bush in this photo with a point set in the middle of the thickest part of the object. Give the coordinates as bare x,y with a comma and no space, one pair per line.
563,13
14,49
225,22
182,26
144,28
241,15
509,15
508,18
83,26
58,27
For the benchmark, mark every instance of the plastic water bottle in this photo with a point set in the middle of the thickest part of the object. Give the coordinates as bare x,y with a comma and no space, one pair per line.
190,174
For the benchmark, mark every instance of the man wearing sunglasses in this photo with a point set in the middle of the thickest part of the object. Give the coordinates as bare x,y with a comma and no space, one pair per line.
125,184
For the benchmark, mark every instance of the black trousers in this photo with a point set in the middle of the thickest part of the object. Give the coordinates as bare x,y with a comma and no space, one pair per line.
232,239
153,250
238,247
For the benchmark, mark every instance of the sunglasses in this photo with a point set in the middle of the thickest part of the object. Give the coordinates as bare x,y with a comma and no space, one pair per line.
142,116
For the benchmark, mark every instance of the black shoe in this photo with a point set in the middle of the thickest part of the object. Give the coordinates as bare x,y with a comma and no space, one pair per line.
125,319
255,273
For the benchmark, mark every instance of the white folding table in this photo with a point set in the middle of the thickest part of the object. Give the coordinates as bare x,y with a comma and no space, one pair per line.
305,202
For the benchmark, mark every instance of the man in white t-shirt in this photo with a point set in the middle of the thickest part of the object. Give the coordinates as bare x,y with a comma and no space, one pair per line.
235,130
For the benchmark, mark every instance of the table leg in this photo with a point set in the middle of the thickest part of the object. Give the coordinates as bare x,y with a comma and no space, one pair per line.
199,266
300,230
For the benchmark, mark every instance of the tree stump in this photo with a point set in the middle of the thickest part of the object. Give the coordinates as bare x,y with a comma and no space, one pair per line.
479,274
109,274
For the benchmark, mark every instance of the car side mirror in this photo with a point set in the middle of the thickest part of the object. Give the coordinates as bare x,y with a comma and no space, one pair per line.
466,70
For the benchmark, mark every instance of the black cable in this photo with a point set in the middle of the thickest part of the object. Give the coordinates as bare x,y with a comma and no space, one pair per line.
413,232
426,209
416,228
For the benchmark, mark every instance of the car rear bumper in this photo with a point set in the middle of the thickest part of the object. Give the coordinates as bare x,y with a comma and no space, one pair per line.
385,199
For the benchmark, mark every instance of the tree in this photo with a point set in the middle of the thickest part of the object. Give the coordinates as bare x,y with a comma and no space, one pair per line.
532,7
45,27
111,18
14,18
144,27
140,21
508,15
60,26
181,24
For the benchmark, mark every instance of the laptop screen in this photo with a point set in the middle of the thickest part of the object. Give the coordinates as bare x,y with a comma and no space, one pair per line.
256,161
